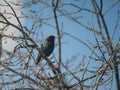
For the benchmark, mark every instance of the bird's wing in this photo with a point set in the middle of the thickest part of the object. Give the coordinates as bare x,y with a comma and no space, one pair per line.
44,46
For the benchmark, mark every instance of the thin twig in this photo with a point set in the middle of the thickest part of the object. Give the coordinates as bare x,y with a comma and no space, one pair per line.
58,31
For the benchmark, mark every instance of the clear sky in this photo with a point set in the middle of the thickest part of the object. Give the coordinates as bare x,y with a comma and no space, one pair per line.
70,46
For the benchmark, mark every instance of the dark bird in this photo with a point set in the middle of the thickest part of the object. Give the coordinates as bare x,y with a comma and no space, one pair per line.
46,48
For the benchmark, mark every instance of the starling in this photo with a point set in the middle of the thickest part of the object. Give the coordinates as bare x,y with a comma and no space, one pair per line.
46,49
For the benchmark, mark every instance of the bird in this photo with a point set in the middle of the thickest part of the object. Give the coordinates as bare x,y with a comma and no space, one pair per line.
46,48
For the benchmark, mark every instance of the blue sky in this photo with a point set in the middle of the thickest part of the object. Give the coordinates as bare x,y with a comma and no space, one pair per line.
70,46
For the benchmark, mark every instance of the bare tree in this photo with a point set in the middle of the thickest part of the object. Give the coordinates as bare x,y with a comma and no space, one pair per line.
99,69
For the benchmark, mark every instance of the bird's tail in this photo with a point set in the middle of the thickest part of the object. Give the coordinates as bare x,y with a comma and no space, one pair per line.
38,59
